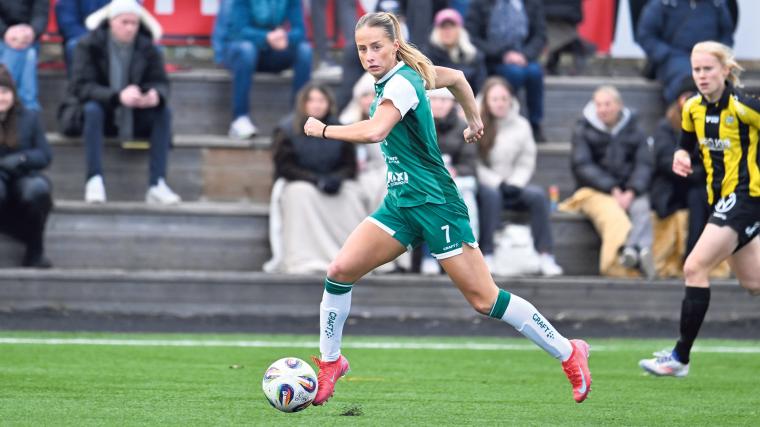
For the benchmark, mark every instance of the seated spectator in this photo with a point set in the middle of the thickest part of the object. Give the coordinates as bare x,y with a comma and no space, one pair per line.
668,29
255,36
562,19
25,199
512,34
119,82
612,165
680,204
459,157
507,160
21,24
450,46
316,202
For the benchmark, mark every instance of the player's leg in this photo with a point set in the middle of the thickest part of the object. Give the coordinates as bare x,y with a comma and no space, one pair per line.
744,264
714,245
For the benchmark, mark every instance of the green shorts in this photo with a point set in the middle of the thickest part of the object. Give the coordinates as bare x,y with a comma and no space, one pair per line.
444,227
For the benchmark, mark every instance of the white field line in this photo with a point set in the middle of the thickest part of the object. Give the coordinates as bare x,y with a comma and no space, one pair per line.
383,345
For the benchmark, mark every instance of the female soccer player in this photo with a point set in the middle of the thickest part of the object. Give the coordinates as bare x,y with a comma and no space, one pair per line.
725,122
422,204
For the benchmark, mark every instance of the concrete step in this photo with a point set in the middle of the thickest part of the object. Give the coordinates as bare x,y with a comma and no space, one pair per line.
210,236
206,293
191,236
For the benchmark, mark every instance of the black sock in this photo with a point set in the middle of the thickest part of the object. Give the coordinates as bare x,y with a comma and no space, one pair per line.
693,311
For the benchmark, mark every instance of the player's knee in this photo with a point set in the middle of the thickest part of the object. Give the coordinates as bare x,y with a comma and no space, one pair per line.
752,286
480,302
693,270
338,270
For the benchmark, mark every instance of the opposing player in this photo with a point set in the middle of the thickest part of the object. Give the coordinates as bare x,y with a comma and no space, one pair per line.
724,122
422,204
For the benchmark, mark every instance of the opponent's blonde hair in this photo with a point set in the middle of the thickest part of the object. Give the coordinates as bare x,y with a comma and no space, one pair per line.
406,52
724,55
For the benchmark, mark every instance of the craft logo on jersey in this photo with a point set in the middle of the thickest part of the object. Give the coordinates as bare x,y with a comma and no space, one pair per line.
717,144
724,205
397,178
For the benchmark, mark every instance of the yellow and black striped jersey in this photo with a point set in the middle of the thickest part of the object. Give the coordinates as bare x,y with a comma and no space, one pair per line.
727,133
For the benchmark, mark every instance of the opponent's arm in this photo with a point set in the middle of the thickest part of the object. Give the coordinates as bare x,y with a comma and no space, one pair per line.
456,83
368,131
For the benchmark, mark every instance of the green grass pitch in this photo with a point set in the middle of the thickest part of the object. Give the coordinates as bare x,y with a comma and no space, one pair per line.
188,380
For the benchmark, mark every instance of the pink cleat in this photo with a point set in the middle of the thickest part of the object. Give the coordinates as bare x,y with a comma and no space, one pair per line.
576,369
329,374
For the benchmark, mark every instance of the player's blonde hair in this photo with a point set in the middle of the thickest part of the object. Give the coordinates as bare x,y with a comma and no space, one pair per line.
724,55
406,52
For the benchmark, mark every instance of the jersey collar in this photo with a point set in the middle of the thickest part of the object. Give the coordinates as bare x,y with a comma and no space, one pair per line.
390,73
723,101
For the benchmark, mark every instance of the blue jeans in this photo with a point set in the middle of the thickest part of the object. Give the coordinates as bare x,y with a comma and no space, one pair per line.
155,123
531,77
22,64
243,59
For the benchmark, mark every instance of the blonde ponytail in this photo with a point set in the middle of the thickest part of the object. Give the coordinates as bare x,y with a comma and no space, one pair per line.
725,56
406,52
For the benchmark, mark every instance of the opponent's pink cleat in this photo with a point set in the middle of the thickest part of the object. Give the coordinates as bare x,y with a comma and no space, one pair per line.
329,374
576,369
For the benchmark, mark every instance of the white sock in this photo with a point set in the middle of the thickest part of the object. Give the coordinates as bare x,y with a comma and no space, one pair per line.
333,312
524,317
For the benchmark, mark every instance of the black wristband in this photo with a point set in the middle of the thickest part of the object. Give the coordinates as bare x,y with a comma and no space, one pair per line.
323,131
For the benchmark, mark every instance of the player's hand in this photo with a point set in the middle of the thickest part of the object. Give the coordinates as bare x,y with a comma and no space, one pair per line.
313,127
682,163
474,130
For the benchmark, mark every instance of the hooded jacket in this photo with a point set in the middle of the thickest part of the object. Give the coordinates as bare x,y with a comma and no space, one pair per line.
512,158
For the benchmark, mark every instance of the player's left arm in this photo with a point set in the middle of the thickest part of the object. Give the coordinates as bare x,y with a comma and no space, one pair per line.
456,83
370,131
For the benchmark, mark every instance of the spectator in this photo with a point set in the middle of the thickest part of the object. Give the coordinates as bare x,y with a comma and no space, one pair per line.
512,34
450,46
680,204
459,157
119,82
562,19
316,202
21,24
507,162
612,165
345,15
668,29
252,36
24,193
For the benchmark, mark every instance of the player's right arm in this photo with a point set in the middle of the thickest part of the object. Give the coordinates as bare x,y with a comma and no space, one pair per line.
370,131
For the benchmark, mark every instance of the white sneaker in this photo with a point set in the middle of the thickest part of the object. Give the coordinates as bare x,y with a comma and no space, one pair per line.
430,267
664,365
629,257
327,70
548,266
242,128
161,194
94,190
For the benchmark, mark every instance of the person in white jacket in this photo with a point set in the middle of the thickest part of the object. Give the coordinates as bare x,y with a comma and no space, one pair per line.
506,164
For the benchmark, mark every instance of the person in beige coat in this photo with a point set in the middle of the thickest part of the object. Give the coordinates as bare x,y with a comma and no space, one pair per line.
506,163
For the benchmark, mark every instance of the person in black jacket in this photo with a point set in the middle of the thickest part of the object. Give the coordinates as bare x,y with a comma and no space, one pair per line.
512,34
449,46
118,77
21,25
612,165
25,199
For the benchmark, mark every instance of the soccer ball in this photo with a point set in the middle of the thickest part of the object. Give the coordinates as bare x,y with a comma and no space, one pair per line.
290,384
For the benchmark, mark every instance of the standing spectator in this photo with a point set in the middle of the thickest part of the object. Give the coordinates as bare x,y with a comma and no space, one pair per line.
507,162
21,24
25,199
562,19
668,29
345,15
254,35
119,81
450,46
612,165
512,34
316,202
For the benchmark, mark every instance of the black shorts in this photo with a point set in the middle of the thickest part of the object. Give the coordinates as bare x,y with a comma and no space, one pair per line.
741,213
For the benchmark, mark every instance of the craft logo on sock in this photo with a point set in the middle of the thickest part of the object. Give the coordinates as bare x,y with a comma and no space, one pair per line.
541,324
331,316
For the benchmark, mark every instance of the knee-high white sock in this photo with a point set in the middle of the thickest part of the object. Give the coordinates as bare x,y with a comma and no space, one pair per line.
333,312
524,317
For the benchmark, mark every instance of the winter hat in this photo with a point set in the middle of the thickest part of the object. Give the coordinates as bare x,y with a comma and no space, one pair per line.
120,7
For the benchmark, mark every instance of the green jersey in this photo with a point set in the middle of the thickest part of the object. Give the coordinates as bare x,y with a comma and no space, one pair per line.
416,173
